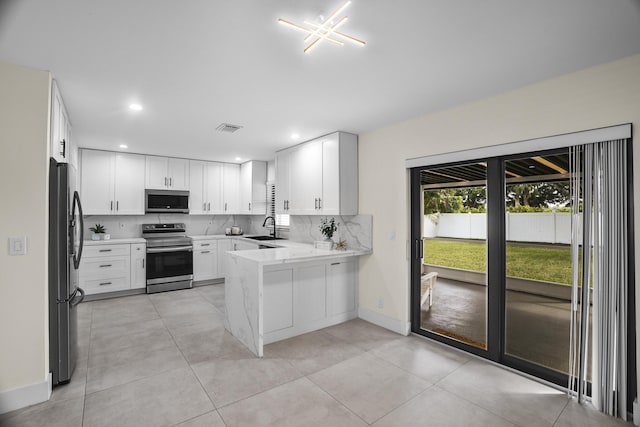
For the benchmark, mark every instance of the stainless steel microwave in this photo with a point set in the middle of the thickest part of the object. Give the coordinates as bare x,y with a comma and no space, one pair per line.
166,201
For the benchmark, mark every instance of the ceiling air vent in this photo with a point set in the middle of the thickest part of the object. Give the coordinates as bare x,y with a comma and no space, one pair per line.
226,127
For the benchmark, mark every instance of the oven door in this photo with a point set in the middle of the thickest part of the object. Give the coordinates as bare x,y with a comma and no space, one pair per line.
169,264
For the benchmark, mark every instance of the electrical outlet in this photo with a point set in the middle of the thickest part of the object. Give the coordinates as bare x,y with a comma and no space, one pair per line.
122,226
380,303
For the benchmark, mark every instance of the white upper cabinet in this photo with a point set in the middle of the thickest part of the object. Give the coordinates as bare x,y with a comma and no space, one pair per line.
253,188
322,177
306,178
60,132
167,173
205,193
282,181
230,188
112,183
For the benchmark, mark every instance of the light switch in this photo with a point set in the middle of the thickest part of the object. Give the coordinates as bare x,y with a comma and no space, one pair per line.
17,245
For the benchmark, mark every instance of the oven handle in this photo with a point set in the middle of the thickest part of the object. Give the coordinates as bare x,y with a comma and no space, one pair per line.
172,249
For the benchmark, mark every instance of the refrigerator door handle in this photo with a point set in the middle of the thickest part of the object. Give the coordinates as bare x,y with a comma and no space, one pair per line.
73,301
78,256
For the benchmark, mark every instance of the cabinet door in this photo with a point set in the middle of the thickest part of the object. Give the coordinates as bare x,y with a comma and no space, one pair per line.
306,178
215,204
178,173
97,177
59,123
197,192
246,171
138,266
231,187
277,294
156,172
341,288
258,188
310,295
224,245
129,184
282,181
205,260
330,199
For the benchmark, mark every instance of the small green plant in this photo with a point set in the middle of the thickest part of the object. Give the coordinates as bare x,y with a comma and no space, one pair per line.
98,229
328,227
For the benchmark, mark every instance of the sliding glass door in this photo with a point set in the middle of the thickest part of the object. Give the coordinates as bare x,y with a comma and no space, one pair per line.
492,273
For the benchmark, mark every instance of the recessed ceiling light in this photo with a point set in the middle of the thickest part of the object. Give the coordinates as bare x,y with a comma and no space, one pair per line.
238,159
124,146
295,136
135,107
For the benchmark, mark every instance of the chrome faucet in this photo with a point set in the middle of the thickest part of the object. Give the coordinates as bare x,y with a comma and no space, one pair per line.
264,224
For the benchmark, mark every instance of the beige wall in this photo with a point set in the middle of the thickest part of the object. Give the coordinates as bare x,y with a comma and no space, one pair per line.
24,112
600,96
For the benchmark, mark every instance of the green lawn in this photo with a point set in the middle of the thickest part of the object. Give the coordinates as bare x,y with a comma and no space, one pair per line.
551,264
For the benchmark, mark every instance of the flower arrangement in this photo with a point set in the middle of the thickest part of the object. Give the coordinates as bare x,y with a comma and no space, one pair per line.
328,227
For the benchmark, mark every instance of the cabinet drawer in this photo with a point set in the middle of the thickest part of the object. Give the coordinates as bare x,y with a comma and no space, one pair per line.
96,286
104,267
206,245
106,251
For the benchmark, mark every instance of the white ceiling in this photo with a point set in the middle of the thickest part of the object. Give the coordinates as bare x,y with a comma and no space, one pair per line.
194,64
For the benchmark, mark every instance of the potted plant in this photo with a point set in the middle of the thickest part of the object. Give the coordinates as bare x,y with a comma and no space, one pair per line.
98,232
327,227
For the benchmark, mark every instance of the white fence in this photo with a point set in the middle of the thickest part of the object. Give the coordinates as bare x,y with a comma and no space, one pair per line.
547,227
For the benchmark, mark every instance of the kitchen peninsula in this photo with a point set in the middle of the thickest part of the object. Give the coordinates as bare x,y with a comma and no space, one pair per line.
294,288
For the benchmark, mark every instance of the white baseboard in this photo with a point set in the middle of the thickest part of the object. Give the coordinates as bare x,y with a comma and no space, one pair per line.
395,325
20,397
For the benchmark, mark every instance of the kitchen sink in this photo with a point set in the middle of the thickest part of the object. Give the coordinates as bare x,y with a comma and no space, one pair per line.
264,238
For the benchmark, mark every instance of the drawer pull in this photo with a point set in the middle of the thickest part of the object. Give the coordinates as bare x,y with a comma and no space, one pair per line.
204,244
204,252
106,265
335,263
105,283
104,250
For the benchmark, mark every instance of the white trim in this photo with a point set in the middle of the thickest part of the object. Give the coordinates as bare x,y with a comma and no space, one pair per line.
21,397
395,325
538,144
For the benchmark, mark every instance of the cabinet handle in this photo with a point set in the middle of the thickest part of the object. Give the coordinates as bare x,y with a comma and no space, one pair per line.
105,283
225,206
284,205
335,263
63,143
165,181
209,206
249,205
111,205
205,252
117,205
287,205
106,265
104,250
204,206
319,203
205,244
316,203
142,262
170,182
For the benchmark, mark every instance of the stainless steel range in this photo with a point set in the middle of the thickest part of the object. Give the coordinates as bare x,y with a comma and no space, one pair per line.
169,257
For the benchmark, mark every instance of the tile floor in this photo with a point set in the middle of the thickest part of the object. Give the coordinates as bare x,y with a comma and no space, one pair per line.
166,360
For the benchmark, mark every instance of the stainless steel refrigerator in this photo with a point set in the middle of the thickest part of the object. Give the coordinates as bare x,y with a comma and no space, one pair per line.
65,250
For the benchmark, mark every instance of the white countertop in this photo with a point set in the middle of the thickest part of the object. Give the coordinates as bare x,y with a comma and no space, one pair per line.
287,251
114,241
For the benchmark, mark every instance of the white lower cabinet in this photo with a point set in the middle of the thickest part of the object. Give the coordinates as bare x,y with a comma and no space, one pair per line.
306,297
138,266
113,267
224,246
205,260
105,269
278,296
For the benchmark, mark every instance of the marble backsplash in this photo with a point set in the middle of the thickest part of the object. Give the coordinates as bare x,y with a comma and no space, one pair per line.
356,230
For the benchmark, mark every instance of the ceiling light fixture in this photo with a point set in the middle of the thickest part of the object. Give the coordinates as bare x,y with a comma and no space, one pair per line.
238,159
325,30
124,146
135,107
295,136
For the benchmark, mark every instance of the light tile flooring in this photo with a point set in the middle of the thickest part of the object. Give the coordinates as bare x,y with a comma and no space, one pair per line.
165,360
